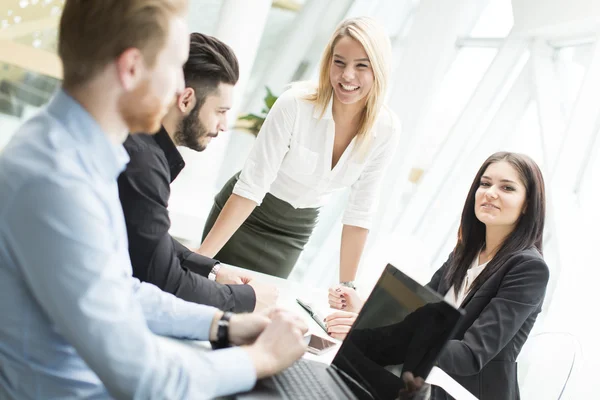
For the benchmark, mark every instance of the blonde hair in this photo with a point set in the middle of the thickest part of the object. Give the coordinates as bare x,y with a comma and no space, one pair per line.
371,35
94,33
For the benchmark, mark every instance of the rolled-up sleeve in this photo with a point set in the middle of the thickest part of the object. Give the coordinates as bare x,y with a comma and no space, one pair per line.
364,193
270,147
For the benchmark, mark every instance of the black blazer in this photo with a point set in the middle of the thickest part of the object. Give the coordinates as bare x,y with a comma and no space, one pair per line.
157,258
499,316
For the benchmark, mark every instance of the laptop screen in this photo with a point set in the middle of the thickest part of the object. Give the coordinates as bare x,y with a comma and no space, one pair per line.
403,326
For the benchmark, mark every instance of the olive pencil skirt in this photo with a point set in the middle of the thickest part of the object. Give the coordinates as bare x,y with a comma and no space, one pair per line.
272,237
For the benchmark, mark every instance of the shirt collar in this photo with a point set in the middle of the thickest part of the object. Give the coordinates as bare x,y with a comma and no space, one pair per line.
174,158
108,159
328,114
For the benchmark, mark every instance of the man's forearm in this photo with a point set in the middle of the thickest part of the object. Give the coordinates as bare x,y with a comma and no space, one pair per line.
168,315
193,261
214,326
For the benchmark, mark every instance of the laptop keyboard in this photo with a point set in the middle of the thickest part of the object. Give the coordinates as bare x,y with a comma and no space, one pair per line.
300,382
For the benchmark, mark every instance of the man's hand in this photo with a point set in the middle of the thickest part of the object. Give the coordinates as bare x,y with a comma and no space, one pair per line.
345,298
228,276
266,295
339,323
279,345
245,328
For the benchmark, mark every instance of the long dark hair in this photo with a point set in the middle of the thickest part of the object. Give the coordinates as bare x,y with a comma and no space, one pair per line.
528,231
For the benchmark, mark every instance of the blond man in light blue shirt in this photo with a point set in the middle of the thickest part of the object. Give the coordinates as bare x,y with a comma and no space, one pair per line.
75,323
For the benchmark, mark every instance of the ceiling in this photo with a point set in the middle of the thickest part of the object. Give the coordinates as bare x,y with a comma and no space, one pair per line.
33,25
30,23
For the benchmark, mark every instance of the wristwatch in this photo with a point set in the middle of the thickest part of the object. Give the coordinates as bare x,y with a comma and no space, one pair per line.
214,271
222,341
349,284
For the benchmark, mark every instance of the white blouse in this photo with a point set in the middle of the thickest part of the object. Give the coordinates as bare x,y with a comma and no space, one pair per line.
292,154
472,274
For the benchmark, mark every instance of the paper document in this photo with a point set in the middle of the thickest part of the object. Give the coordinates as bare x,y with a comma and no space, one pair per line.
439,378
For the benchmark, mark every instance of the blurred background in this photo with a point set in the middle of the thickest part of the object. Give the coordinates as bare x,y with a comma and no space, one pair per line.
470,77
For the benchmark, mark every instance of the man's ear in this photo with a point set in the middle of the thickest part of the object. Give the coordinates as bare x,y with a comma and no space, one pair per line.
186,100
131,68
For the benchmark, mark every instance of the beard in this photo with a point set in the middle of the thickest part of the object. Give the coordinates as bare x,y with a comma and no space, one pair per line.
141,109
190,131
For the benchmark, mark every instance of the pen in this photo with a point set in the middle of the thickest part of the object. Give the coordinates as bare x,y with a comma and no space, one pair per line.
313,315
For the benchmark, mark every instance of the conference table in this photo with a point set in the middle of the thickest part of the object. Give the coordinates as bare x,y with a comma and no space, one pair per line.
289,292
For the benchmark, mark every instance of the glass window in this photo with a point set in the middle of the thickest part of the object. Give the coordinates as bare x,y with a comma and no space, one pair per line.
456,89
22,92
496,21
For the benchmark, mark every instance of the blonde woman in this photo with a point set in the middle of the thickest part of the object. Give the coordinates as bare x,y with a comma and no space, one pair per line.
313,142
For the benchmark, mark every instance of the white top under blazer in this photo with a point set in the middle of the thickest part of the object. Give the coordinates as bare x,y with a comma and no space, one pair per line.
472,273
292,154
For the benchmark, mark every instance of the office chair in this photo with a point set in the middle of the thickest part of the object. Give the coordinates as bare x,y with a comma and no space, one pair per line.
547,364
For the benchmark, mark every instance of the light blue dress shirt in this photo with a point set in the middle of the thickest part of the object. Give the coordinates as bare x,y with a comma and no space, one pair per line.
74,323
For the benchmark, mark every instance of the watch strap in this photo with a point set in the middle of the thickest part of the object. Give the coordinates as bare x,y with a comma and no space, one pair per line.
222,341
214,271
349,284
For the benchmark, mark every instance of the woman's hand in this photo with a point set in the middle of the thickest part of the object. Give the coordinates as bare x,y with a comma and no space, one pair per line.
415,388
345,298
339,323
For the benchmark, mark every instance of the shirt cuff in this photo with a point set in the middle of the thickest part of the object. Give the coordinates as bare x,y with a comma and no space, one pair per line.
244,297
247,194
355,219
199,264
235,370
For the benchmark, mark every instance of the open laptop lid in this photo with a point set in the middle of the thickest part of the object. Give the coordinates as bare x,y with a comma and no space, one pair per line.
403,326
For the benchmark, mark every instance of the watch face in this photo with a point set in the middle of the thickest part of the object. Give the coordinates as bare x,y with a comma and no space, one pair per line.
213,272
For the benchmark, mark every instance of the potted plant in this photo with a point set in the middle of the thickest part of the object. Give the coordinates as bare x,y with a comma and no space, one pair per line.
253,122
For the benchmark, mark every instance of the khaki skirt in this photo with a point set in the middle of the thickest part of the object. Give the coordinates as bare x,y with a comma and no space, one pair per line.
272,237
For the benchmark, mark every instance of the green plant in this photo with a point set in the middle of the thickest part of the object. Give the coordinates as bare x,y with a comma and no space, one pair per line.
254,122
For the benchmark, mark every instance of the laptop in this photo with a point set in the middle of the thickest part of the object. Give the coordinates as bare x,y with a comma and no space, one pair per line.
403,326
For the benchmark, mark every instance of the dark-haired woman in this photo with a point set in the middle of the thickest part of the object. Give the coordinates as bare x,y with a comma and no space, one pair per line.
496,273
